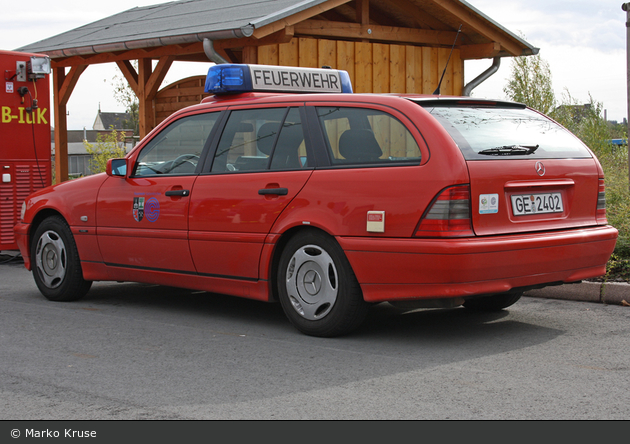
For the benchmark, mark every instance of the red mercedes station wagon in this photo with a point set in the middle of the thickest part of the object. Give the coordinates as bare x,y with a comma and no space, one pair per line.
285,186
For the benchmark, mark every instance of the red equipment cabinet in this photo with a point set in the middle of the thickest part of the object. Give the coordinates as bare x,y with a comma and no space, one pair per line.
25,145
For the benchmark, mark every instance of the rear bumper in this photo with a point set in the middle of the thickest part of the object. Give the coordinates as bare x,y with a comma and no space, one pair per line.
400,269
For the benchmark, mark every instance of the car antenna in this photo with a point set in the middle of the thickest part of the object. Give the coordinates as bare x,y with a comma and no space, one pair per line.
437,90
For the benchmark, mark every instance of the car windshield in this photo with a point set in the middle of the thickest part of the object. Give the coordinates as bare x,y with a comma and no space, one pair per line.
484,133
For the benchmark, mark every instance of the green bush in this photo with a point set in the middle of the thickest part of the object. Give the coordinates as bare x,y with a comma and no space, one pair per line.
530,83
107,146
587,122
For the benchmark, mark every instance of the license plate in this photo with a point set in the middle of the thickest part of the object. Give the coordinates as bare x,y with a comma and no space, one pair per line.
523,204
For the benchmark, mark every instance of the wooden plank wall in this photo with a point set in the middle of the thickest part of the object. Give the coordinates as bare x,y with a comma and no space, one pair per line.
374,67
178,95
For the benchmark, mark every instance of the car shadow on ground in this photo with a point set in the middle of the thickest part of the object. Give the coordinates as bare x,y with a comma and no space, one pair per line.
228,339
455,326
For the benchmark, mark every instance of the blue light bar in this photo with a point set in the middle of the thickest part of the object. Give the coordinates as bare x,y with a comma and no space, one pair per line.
231,78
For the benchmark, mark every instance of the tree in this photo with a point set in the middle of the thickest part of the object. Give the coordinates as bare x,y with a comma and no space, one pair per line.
530,83
125,95
585,121
107,146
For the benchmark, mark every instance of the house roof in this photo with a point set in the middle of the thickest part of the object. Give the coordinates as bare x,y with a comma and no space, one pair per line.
188,21
113,120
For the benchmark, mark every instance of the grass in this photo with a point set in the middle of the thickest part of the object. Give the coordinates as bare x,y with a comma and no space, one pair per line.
587,123
614,161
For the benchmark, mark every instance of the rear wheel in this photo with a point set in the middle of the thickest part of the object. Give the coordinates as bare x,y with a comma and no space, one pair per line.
495,302
317,288
56,266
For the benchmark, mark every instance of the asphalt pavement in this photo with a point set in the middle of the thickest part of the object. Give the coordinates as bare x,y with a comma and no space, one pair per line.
144,352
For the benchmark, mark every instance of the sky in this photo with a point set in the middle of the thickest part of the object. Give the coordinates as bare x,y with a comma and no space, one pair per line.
583,41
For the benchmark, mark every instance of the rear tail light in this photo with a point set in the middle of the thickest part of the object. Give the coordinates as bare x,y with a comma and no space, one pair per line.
448,215
600,214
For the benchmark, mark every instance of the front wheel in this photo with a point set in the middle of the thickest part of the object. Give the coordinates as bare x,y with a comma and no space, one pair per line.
317,288
56,266
492,303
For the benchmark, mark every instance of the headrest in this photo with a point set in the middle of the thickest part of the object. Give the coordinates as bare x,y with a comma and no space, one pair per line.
266,136
359,145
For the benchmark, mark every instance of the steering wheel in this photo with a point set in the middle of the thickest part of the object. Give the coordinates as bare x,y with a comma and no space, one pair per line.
186,163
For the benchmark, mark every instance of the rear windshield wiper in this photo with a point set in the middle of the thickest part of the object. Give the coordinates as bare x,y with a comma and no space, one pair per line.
509,150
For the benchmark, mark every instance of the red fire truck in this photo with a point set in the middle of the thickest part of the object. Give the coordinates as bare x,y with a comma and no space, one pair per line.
25,146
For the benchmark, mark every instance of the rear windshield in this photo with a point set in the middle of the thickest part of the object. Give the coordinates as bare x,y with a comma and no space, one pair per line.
485,133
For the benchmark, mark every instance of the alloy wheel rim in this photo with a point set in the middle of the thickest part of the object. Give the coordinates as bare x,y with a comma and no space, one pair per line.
312,282
51,259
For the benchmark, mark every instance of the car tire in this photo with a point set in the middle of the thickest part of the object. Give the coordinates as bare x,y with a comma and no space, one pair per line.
495,302
56,265
317,288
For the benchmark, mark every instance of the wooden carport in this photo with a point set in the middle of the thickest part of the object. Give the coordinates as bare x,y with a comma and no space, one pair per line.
385,45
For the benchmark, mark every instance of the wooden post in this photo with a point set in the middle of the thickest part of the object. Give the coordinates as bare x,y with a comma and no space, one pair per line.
61,128
145,105
250,54
63,84
145,84
363,13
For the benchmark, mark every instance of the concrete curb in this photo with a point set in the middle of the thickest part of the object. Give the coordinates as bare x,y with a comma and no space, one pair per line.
613,293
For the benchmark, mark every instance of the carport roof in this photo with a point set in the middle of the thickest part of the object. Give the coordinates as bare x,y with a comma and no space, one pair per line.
168,23
187,21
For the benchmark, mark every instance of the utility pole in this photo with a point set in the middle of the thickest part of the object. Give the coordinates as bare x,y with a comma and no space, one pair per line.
626,7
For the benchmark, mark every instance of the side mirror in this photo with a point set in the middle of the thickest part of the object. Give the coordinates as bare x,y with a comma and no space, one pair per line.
116,167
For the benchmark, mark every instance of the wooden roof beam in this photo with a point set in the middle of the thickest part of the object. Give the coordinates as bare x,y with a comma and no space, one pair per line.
157,76
133,54
321,28
471,20
380,17
481,51
130,74
68,82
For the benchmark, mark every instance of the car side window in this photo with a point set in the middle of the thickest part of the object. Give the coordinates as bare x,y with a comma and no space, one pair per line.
176,149
356,136
261,139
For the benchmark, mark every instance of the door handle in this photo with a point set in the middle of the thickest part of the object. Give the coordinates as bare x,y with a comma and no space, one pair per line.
182,193
277,191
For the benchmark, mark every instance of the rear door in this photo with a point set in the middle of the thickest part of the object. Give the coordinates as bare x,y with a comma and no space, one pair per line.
527,173
260,163
373,179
